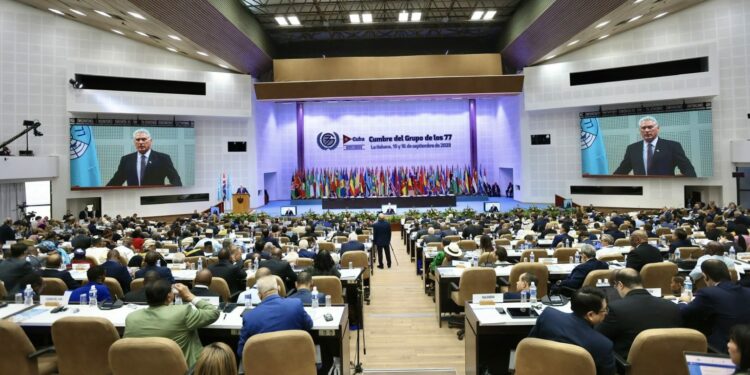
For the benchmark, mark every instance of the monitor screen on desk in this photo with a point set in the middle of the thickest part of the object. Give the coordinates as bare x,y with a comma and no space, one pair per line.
289,211
705,364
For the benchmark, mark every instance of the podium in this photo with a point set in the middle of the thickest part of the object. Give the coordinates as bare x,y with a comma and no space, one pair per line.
240,203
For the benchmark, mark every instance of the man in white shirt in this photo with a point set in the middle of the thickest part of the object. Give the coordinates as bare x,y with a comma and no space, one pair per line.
253,292
713,250
126,249
98,250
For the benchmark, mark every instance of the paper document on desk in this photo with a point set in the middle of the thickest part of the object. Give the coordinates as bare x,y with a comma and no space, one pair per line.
20,317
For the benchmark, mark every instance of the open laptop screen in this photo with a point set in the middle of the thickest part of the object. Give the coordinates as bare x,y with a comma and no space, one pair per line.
708,364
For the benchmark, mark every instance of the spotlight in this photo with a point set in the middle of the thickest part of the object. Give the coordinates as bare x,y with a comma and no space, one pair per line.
75,84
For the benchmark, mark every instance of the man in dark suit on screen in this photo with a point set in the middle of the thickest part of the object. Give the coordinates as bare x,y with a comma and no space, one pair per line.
145,166
654,156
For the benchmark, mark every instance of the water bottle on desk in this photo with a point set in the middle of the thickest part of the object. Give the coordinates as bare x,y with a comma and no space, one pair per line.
92,296
688,291
200,264
532,257
28,295
315,301
532,292
732,253
523,296
677,254
577,257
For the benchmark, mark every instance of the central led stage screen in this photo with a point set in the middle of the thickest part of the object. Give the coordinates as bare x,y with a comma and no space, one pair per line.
117,156
666,144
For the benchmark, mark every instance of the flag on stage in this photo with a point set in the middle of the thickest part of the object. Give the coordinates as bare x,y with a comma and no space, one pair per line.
84,165
593,153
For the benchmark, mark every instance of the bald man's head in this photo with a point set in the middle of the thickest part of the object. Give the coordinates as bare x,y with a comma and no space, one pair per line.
276,253
262,271
203,277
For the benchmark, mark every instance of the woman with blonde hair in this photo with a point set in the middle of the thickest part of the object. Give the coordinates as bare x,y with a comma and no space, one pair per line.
216,359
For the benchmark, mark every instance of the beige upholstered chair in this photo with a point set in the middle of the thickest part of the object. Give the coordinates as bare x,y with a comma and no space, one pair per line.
595,275
663,232
363,238
474,281
467,245
327,246
359,259
537,356
3,291
502,242
340,239
79,353
622,242
538,254
539,270
437,245
487,258
279,282
220,287
115,289
304,262
19,356
659,275
146,356
330,285
660,351
54,286
136,284
563,254
691,252
613,257
268,354
453,238
210,261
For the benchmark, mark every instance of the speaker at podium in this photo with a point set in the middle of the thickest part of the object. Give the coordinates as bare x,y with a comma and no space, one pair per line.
240,203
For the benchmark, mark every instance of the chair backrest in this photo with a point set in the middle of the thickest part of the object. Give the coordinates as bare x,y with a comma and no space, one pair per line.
476,280
611,257
487,257
622,242
690,252
282,287
82,344
283,240
305,262
563,254
54,286
92,259
358,259
595,275
136,284
595,231
539,270
659,275
194,259
502,242
327,246
340,239
210,261
660,351
538,356
538,254
16,348
330,285
663,231
220,287
115,289
147,356
453,238
467,245
437,245
268,354
3,291
363,238
507,236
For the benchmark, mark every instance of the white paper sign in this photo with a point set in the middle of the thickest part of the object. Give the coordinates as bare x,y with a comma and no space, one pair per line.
52,301
81,266
494,297
656,292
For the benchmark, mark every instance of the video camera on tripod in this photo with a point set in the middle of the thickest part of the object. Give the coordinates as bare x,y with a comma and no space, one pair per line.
23,213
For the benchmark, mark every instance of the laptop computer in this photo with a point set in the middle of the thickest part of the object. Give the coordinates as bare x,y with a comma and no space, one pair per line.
708,364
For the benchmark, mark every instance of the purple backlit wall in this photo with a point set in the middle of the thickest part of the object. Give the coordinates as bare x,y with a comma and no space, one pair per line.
497,134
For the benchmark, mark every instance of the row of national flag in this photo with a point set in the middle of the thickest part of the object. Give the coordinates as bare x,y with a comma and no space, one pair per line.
388,181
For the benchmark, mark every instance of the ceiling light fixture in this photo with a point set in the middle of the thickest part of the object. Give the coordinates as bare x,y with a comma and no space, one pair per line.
604,37
174,37
55,11
172,49
201,53
137,15
573,42
599,26
281,20
367,17
354,18
416,16
117,32
78,12
99,12
223,66
636,18
141,33
403,16
489,15
477,15
293,20
660,15
550,57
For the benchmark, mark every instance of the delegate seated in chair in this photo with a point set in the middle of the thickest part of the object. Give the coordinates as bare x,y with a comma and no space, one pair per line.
578,275
522,286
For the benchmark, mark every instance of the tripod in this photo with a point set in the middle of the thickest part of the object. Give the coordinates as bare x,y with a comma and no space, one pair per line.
390,247
361,328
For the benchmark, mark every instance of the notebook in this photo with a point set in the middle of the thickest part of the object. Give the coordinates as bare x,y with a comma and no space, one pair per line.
708,364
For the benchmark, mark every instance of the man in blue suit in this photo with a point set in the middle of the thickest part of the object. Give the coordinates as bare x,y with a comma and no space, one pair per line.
718,307
563,237
352,244
151,258
578,275
273,314
303,287
117,270
381,235
654,156
589,307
